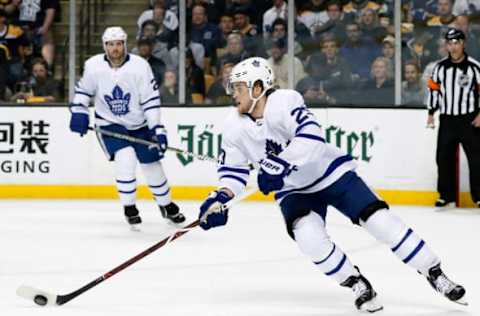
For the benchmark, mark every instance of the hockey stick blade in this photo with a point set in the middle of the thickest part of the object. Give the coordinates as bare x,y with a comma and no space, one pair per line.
43,298
40,297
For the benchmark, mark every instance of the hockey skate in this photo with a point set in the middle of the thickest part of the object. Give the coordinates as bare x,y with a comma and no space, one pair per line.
439,281
172,213
131,214
365,295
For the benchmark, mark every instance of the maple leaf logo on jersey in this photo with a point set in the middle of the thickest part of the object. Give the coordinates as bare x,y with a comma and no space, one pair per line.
118,102
273,148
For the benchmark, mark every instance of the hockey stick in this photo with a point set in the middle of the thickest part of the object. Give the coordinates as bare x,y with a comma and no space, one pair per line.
150,143
42,298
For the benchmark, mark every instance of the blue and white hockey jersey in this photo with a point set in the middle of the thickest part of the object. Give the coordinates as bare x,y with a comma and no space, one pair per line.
289,130
127,95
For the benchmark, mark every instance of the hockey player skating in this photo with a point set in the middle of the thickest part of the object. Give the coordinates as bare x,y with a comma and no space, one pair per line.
127,101
274,130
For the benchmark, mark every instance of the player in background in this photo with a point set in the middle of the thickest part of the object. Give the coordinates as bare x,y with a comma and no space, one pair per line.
127,101
274,130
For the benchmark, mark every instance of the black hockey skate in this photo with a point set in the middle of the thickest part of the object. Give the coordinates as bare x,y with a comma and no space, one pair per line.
172,212
131,214
439,281
444,203
365,295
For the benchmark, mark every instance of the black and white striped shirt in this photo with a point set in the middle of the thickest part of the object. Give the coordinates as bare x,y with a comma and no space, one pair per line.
454,87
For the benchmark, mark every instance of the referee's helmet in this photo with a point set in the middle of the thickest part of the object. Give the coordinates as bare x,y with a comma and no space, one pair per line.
454,34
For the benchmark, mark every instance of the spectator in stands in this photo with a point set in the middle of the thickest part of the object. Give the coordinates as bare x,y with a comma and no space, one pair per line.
423,10
379,90
279,63
235,50
441,53
195,80
412,89
37,17
313,91
359,52
370,25
3,73
169,89
41,84
336,21
10,7
160,49
158,14
197,50
217,94
145,48
279,30
444,16
13,41
226,28
466,7
355,8
462,22
333,70
241,20
277,11
164,34
204,33
388,48
313,14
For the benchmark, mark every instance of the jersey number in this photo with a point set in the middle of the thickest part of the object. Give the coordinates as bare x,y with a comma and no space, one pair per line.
154,83
301,114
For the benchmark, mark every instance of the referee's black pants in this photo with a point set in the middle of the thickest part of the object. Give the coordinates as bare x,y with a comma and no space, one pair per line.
456,130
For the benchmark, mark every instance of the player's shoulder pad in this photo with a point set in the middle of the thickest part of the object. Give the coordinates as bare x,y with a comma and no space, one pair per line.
232,126
95,61
284,100
138,61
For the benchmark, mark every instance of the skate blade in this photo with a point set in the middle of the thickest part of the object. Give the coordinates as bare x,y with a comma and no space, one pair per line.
371,306
461,301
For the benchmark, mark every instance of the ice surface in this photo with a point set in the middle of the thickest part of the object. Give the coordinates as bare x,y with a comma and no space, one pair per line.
251,267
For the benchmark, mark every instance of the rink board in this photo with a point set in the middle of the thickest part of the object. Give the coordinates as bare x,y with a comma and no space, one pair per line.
41,158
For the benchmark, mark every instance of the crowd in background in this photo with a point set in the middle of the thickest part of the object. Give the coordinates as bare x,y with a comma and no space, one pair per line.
27,50
344,50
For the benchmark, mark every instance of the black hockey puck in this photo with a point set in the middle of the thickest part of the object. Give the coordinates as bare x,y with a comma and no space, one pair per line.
40,300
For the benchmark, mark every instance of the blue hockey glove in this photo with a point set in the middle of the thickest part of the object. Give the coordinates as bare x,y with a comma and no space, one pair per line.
272,171
217,218
161,137
79,123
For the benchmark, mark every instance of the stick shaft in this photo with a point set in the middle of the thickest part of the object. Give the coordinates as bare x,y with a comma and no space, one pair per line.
150,143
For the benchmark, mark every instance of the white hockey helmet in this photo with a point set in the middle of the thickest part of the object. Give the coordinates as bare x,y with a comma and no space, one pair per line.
250,71
114,33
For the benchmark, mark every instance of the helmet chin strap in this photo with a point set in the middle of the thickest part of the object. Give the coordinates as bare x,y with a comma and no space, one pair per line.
254,100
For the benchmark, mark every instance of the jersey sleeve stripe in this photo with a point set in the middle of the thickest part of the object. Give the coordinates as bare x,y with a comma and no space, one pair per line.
151,99
231,176
303,125
237,170
151,108
83,93
310,136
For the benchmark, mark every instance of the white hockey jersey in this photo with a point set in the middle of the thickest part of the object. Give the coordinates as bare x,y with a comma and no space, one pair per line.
289,130
127,95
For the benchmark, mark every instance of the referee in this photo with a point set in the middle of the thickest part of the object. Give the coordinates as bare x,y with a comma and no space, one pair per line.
454,91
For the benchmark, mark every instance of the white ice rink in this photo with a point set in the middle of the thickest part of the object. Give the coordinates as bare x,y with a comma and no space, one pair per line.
251,267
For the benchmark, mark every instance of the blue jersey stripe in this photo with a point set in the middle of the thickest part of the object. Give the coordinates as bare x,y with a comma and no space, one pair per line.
84,93
310,136
414,252
126,181
339,266
158,186
231,176
151,108
409,231
162,194
331,168
237,170
331,253
301,126
127,192
151,99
